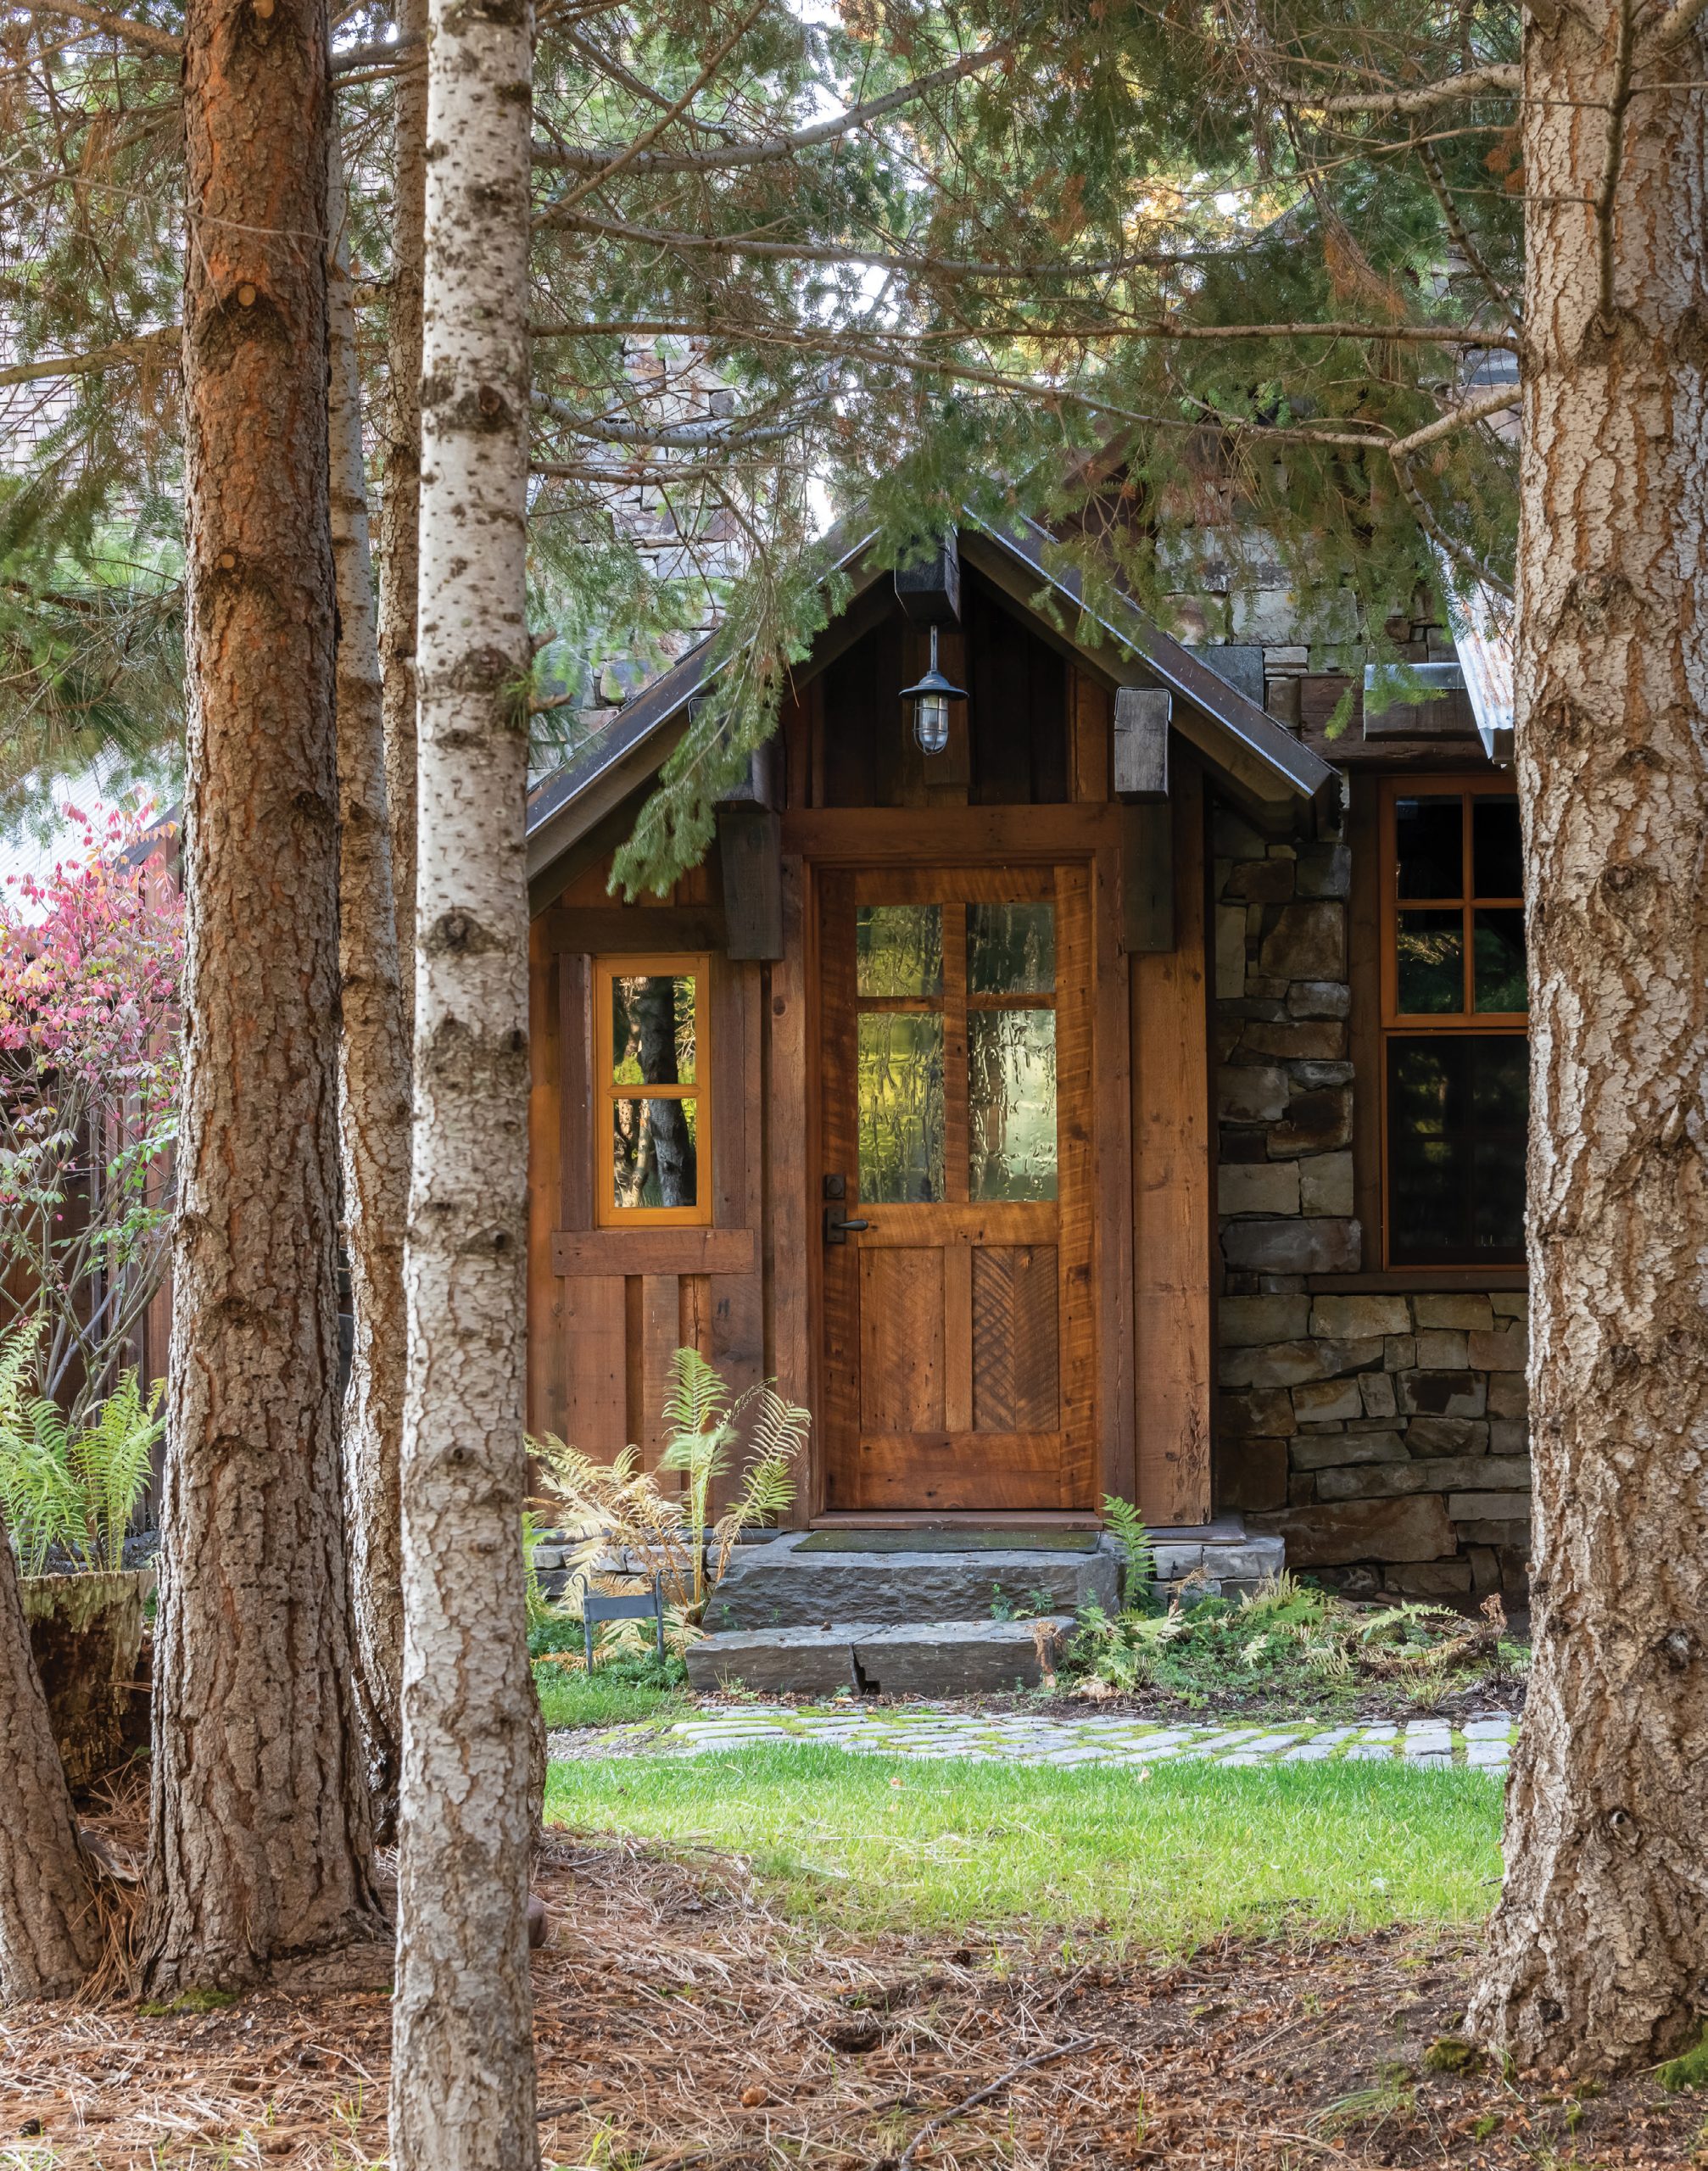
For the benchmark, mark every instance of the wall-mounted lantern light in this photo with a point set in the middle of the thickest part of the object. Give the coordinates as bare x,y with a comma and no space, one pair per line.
931,698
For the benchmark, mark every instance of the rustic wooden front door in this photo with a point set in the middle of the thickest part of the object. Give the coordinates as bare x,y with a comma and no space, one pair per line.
959,1335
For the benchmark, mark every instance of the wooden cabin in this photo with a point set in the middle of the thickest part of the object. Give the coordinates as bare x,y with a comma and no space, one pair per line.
1128,1097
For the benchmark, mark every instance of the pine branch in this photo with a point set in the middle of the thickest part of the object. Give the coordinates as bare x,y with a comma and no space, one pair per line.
144,36
98,358
760,149
1439,535
1498,79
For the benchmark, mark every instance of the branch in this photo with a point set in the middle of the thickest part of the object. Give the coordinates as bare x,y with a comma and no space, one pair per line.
1439,535
98,358
1460,235
1499,78
759,149
125,28
1677,23
910,2154
368,56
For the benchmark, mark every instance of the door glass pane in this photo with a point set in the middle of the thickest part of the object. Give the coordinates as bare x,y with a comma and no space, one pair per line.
1011,1104
1011,949
1497,851
900,1107
1498,957
652,1029
899,950
1429,950
1430,839
654,1155
1457,1110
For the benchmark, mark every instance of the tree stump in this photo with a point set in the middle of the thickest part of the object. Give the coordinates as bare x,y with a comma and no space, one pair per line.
86,1635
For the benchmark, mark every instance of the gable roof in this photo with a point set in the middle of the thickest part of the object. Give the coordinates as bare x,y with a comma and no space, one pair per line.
1272,774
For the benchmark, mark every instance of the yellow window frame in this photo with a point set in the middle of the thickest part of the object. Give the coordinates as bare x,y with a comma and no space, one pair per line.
608,1090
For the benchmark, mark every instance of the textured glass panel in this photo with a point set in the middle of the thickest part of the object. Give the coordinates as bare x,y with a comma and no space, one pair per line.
1497,960
1429,950
652,1029
1430,838
1011,1104
655,1152
900,1107
899,950
1456,1112
1011,949
1497,850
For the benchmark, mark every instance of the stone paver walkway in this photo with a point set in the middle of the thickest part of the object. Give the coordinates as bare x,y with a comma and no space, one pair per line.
1482,1743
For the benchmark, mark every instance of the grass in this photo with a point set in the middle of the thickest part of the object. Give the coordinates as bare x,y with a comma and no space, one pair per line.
873,1843
621,1690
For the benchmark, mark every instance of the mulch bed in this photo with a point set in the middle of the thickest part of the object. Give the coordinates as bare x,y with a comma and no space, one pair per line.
682,2027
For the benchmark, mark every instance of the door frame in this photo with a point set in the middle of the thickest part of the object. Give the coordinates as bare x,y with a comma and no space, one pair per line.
1088,833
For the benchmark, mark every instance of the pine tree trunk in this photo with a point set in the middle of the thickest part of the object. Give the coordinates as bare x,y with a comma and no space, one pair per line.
373,1078
400,423
462,2071
49,1938
259,1823
1597,1945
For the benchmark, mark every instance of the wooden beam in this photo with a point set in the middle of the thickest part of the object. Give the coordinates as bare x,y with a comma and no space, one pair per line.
635,930
1142,741
887,836
583,1252
1148,879
930,592
749,840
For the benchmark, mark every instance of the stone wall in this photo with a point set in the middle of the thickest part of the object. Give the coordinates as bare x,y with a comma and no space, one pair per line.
1381,1434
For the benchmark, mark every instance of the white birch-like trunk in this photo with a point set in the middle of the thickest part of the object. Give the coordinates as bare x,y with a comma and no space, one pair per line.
1598,1945
463,2073
373,1071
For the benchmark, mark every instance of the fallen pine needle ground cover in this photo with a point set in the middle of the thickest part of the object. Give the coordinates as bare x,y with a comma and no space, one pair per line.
691,2016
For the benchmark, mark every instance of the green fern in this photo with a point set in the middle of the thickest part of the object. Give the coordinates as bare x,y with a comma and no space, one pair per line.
66,1493
1137,1545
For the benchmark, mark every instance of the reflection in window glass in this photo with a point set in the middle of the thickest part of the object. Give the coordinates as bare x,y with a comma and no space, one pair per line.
652,1029
899,950
1457,1109
1429,955
655,1159
1011,1104
1011,949
1430,841
899,1107
1497,960
1497,850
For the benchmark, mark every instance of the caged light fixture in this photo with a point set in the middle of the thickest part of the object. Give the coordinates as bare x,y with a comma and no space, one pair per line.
931,698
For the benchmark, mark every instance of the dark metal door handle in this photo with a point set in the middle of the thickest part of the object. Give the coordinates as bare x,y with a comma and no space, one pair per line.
836,1228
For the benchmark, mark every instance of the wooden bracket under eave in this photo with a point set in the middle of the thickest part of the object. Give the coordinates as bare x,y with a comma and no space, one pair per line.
1143,717
750,846
1147,877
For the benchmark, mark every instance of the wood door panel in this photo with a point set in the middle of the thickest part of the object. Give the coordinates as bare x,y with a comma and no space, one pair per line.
1016,1373
959,1473
901,1342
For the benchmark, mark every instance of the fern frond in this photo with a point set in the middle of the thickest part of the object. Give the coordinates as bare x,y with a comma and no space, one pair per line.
1135,1542
698,1399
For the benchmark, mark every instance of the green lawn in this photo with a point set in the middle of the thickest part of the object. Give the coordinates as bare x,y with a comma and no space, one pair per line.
875,1842
619,1691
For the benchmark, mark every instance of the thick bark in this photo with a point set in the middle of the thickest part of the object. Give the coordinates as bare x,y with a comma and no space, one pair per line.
462,2072
259,1823
401,425
373,1077
49,1937
1600,1942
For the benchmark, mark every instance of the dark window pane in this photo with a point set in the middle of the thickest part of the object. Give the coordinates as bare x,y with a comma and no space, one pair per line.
652,1029
1497,960
898,949
655,1159
1497,850
1456,1120
1429,951
1430,837
1011,949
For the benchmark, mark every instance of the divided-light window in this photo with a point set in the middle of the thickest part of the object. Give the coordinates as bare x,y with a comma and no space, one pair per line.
652,1141
1454,1016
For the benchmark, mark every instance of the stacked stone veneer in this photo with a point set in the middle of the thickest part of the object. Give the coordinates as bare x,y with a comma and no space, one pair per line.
1383,1434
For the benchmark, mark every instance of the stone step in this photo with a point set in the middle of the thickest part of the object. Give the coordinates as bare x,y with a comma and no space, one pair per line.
875,1658
774,1585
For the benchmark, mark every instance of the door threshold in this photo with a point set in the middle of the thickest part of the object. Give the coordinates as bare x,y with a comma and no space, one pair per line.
955,1518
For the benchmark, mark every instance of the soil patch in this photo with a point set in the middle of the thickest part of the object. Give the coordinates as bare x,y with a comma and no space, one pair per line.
681,2027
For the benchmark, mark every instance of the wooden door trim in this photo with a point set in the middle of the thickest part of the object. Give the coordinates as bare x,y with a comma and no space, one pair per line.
933,837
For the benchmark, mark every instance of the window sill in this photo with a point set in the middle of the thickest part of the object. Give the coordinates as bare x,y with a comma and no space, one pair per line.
1398,1280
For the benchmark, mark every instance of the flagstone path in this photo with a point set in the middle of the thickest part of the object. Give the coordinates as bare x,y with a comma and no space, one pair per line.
1482,1743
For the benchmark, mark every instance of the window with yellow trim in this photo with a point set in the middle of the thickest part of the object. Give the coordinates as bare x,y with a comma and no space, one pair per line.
652,1139
1455,1020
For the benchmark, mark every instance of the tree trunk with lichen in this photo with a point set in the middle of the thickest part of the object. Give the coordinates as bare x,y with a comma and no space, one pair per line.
373,1078
260,1835
463,2067
49,1936
1598,1945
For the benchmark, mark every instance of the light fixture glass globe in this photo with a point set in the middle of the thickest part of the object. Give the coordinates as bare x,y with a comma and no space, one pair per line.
931,722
